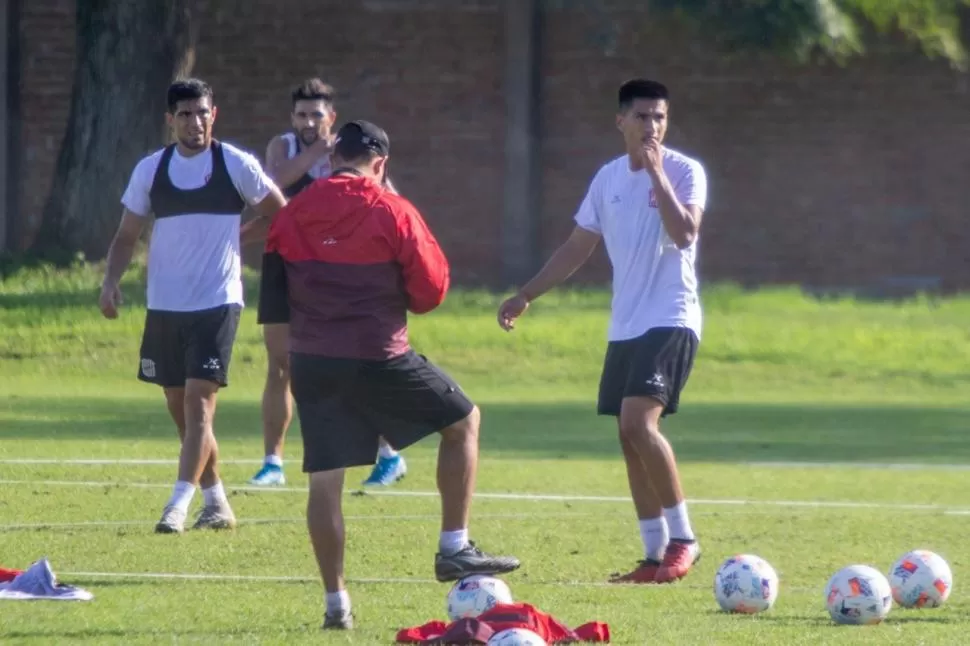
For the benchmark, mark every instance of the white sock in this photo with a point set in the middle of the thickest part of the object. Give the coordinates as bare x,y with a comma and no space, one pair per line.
678,522
653,532
182,496
338,602
275,460
452,542
386,451
214,494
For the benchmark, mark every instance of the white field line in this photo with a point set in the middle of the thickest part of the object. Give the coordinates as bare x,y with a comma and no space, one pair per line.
777,464
278,521
247,578
532,497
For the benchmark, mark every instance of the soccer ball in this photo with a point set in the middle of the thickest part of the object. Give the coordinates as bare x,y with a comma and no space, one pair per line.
920,579
475,594
516,637
745,583
858,594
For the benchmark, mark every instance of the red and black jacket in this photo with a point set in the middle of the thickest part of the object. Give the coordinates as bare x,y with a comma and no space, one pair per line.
345,261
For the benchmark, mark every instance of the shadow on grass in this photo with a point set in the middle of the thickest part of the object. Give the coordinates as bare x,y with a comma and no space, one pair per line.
700,432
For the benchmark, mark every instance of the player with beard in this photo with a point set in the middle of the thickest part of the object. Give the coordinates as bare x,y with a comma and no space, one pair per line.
295,159
196,189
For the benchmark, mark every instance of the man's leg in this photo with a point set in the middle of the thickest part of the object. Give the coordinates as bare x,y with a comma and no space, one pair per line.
653,526
640,430
184,491
457,467
325,521
277,404
200,454
389,468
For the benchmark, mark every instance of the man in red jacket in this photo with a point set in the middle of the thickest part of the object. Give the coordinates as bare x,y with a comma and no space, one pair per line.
347,259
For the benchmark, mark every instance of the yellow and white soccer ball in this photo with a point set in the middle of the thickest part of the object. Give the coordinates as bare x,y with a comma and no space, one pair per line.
858,595
920,579
746,583
516,637
473,595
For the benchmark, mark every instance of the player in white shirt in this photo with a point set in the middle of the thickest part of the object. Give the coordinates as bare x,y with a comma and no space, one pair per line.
646,206
295,159
196,190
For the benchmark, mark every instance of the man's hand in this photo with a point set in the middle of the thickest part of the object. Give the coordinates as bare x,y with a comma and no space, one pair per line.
653,157
510,310
322,146
110,300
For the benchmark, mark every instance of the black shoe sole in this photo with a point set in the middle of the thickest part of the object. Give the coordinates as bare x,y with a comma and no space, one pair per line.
446,574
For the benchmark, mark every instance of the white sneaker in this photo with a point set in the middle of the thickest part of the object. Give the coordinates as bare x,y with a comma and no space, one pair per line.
217,516
172,521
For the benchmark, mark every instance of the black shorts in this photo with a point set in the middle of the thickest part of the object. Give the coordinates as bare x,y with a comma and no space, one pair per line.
188,345
344,406
656,365
273,307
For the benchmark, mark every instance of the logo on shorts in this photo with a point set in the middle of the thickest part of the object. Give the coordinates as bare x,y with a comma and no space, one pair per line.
212,363
148,368
657,380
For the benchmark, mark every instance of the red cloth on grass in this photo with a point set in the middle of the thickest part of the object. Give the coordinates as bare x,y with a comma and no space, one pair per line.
502,617
9,575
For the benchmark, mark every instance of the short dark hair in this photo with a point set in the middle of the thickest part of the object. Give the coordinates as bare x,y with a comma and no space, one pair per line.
314,90
641,89
187,90
360,140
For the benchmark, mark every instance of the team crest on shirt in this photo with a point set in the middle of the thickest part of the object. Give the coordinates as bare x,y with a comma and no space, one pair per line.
653,199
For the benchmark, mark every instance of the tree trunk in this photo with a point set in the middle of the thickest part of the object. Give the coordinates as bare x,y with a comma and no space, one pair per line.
128,52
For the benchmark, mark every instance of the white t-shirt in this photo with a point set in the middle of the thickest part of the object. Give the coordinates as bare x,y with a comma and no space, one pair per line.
320,168
194,260
654,282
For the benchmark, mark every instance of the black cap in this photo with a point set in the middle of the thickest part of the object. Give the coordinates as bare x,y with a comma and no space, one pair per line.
356,138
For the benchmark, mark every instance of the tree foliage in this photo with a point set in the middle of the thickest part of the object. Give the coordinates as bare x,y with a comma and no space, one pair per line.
838,29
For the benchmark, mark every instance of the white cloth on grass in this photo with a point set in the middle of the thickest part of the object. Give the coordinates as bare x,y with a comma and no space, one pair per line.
39,582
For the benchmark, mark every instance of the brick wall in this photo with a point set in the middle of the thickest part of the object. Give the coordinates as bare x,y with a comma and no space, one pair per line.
818,175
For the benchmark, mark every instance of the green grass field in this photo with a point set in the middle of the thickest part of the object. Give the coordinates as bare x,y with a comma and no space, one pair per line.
816,434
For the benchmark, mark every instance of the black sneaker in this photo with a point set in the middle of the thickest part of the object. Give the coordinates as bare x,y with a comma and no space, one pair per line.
471,560
338,621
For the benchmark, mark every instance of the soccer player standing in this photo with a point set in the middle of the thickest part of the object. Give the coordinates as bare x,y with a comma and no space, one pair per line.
294,160
196,189
646,206
347,259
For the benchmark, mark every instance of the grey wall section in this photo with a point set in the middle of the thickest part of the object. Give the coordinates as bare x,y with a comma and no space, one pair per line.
6,217
520,218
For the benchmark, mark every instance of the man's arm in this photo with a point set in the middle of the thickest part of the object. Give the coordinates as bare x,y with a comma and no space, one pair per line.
119,257
569,257
285,171
257,228
682,222
423,263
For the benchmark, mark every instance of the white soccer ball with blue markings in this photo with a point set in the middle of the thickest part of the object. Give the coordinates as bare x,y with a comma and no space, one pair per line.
516,637
858,595
921,579
475,594
745,583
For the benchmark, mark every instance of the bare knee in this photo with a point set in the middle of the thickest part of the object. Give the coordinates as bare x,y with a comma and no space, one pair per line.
278,367
326,491
200,404
464,429
277,338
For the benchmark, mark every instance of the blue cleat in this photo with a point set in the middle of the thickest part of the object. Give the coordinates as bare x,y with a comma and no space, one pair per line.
269,475
387,471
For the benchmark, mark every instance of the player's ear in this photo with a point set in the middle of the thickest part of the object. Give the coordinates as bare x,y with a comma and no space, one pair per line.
619,122
215,111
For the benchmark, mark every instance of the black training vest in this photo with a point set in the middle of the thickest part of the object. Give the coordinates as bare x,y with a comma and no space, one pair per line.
218,196
301,183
